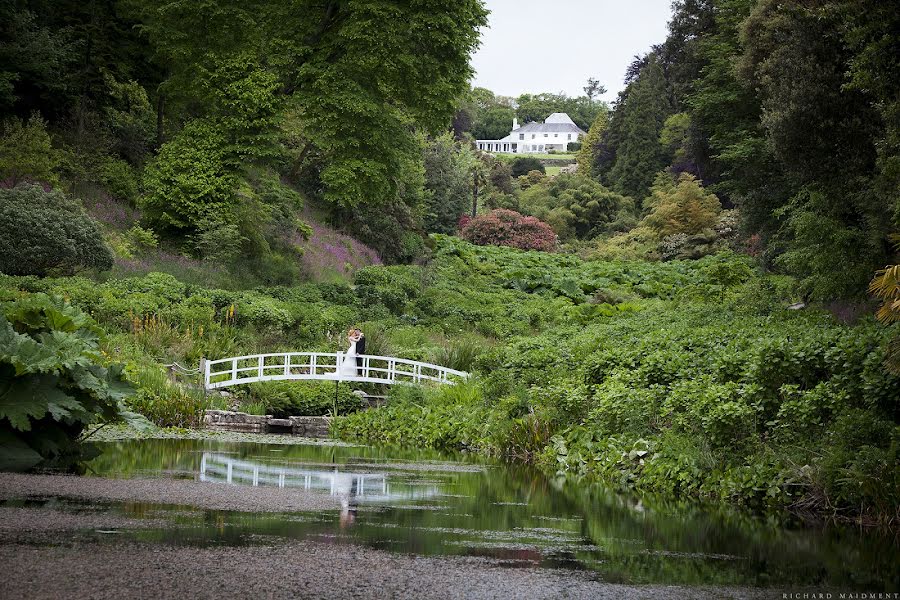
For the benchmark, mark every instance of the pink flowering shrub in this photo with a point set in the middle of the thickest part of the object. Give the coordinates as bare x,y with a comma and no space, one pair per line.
502,227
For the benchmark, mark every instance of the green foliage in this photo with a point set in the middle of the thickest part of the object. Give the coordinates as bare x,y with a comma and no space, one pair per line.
242,104
303,398
218,240
830,259
25,152
575,206
448,177
189,181
119,180
392,287
46,232
537,107
586,153
675,138
682,206
460,355
445,417
142,238
491,116
163,401
380,81
641,118
524,166
134,242
55,381
131,122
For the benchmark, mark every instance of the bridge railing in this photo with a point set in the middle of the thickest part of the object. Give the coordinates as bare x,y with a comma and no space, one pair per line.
281,366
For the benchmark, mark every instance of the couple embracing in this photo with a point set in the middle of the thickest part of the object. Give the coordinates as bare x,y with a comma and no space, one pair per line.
353,361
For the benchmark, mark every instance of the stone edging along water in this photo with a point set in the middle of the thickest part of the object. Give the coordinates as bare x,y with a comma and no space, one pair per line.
227,420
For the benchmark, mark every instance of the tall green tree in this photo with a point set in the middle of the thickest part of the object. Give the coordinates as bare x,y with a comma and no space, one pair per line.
823,134
363,74
492,115
642,115
586,156
537,107
448,181
726,139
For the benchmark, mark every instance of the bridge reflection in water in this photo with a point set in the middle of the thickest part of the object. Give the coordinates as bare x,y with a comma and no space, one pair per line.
361,487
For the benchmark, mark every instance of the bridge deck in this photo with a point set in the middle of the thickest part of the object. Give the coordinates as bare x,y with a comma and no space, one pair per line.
322,366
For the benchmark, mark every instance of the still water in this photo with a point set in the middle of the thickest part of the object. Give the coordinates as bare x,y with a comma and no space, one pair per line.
428,503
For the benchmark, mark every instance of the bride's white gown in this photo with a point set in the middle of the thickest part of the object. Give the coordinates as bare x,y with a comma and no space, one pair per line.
347,368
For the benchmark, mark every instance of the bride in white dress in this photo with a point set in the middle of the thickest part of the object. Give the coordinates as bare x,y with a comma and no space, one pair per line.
347,368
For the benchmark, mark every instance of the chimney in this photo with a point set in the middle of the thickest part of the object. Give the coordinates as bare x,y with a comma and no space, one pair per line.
515,124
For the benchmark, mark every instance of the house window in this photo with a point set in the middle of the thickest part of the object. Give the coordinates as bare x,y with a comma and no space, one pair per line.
555,135
521,136
570,136
532,136
545,135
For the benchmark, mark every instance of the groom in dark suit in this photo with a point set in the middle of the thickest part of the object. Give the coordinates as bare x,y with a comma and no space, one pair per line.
360,349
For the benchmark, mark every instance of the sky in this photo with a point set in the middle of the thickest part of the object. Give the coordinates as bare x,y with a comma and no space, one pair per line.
533,46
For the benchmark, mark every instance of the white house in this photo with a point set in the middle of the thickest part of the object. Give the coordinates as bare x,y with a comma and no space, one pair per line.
553,134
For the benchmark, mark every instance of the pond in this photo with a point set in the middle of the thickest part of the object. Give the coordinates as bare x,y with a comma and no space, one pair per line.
428,503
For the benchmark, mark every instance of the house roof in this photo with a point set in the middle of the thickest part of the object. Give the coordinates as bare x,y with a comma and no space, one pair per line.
559,118
549,128
555,123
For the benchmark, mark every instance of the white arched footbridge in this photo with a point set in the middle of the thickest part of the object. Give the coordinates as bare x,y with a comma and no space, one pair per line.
322,366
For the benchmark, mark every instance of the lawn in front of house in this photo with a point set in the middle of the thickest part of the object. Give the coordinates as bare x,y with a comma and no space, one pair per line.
567,157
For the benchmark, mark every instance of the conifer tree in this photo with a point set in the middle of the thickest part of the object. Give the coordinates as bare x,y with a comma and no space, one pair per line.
588,151
643,115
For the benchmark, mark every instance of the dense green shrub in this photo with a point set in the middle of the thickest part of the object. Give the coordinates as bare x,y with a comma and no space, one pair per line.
218,240
118,178
575,206
393,287
460,354
449,417
46,232
55,382
263,312
188,182
525,165
25,152
681,206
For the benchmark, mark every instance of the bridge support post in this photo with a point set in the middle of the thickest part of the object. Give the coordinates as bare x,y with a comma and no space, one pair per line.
204,373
